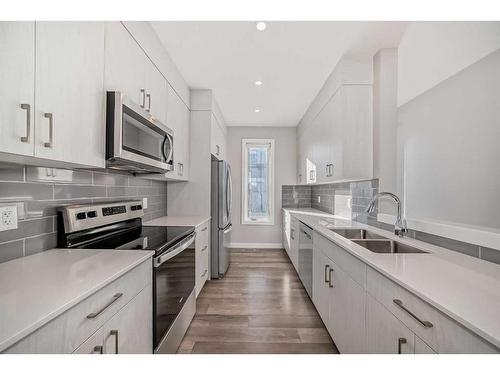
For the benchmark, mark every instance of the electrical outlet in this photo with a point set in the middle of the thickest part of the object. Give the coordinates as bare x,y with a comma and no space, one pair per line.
8,218
144,203
319,199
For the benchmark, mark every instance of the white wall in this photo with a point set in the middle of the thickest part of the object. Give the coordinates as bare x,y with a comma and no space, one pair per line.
284,174
385,116
448,148
430,52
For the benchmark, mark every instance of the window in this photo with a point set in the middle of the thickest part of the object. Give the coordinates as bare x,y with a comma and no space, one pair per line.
257,181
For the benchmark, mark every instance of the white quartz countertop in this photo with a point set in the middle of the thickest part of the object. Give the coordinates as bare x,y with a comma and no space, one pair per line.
37,288
181,221
466,289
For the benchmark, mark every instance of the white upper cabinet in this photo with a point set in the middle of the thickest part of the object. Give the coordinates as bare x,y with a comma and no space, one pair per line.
335,140
125,64
17,79
218,140
129,70
178,117
156,92
69,96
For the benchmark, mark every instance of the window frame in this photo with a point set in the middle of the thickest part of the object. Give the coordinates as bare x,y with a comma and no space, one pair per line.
245,142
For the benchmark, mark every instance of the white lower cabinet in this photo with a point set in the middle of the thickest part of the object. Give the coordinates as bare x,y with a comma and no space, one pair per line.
365,312
202,259
320,288
339,299
294,242
124,306
385,334
347,307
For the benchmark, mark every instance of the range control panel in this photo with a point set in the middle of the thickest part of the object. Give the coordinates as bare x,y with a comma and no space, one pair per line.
79,217
106,211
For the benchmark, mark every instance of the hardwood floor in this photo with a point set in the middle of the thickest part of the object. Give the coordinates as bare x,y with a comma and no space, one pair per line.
259,307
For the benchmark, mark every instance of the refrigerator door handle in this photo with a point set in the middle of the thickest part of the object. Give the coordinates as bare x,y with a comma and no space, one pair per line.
228,229
229,194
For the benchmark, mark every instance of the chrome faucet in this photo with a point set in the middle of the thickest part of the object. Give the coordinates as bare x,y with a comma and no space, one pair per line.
400,227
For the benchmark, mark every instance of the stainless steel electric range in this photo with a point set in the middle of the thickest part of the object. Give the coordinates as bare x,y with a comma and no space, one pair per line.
118,226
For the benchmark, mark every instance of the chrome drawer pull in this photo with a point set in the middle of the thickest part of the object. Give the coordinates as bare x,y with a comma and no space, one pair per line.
326,273
204,248
204,229
50,116
27,107
115,298
99,349
401,341
114,332
330,278
204,273
424,323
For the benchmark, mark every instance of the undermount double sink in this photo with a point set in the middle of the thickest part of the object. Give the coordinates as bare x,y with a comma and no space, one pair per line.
377,243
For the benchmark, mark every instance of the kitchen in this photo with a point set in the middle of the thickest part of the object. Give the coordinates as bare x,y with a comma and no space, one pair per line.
237,188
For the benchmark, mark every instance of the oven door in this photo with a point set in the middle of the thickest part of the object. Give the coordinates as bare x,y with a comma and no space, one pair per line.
173,295
135,140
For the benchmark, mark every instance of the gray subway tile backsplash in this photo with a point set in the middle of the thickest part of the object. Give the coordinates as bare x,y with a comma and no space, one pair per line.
11,250
360,193
42,190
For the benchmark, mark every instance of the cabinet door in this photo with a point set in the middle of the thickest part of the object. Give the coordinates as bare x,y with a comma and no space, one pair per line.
286,231
93,345
156,92
347,312
385,334
130,331
178,116
301,159
294,242
17,77
69,92
321,293
125,64
421,347
218,142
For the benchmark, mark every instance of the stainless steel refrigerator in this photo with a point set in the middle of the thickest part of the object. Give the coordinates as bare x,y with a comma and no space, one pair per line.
221,202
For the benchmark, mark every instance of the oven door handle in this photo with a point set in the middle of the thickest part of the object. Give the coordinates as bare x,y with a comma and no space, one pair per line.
175,251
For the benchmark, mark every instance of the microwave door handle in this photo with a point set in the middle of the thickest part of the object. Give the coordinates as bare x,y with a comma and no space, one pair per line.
177,250
163,149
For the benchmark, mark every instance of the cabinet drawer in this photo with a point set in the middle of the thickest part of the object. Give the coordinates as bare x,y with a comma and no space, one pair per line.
444,336
69,330
355,268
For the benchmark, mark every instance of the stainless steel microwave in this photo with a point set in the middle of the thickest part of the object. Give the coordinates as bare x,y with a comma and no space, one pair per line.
135,140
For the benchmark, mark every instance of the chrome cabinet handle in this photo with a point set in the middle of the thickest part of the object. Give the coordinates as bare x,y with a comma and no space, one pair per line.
401,341
204,229
50,116
329,170
330,278
218,149
99,349
143,92
204,248
148,95
27,107
326,273
114,332
204,273
292,234
115,298
424,323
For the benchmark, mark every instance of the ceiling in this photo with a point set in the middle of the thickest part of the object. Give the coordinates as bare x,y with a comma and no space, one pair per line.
292,59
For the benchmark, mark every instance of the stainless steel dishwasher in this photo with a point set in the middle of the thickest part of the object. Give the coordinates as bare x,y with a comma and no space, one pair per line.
306,257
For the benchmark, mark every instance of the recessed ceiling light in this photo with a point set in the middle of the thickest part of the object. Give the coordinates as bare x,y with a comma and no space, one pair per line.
261,26
258,83
257,110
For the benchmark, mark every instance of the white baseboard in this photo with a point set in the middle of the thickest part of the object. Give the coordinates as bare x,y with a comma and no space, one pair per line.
254,245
